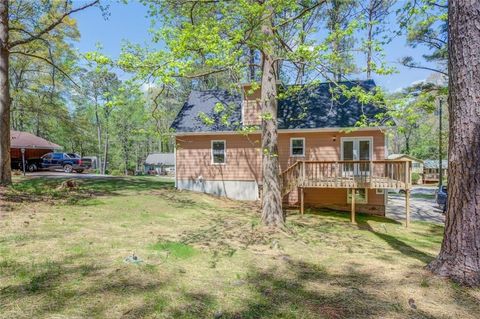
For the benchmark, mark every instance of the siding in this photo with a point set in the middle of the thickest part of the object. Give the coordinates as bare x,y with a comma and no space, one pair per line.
243,162
194,158
16,153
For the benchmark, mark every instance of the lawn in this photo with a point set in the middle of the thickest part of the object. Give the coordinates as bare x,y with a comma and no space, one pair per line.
136,247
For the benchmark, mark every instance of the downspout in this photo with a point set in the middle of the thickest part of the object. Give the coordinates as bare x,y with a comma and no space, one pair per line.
175,161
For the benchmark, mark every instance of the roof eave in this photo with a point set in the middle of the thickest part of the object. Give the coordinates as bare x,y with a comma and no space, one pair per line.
280,131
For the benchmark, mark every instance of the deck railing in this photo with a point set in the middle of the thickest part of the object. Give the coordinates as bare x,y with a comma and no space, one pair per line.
348,174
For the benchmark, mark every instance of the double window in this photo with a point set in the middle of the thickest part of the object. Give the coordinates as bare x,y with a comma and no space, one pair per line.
219,155
297,147
361,196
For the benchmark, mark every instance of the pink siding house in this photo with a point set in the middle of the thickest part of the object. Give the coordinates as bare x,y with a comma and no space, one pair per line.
323,157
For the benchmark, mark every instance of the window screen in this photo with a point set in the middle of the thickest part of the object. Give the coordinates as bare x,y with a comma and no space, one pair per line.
218,152
297,147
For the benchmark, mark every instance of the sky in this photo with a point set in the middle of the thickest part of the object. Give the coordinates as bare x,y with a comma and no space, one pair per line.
129,22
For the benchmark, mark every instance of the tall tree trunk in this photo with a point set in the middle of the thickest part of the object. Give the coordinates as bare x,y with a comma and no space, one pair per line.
5,169
99,138
252,65
370,42
105,151
459,257
272,212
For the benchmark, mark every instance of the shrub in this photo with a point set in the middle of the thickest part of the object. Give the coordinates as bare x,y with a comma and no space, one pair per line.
415,178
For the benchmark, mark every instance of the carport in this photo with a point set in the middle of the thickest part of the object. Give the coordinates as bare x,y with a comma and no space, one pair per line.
27,147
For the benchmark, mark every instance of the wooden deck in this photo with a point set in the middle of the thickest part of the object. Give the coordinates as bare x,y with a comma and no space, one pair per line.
385,174
347,174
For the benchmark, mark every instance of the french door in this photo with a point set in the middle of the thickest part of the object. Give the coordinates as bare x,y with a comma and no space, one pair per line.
356,149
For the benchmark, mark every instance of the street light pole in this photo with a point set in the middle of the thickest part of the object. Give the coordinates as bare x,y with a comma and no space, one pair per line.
440,168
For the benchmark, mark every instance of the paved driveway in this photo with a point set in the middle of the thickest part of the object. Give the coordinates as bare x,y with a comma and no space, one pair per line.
421,208
55,174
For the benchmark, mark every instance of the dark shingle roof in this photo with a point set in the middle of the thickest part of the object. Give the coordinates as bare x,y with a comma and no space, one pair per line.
189,118
309,107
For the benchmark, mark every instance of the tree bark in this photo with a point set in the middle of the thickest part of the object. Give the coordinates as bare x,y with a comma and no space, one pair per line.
272,212
105,150
459,257
5,168
99,137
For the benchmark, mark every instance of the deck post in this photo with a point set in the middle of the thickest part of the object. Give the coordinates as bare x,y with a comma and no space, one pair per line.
407,207
352,217
303,173
301,201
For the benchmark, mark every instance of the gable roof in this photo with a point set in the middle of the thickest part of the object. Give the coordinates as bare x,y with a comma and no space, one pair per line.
309,107
433,164
27,140
203,102
160,159
400,156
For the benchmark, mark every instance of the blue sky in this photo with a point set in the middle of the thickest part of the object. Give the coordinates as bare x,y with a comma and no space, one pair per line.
129,22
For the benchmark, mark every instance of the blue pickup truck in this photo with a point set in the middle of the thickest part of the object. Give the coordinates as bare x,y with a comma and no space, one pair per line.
68,162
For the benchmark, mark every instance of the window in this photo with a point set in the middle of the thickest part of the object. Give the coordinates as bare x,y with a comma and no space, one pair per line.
57,156
297,146
416,165
380,191
218,152
356,149
361,196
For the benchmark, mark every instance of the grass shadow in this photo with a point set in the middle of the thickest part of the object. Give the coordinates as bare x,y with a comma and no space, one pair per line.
48,189
399,245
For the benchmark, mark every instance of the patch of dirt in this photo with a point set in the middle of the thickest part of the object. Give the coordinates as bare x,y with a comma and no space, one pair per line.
227,236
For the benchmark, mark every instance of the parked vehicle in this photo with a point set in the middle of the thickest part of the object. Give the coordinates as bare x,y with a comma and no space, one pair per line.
68,162
441,197
31,164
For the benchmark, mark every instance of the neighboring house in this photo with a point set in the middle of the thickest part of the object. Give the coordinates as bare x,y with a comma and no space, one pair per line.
161,163
321,157
417,164
34,147
431,170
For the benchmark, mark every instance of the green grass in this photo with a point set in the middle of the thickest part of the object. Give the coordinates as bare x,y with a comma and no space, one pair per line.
174,249
62,255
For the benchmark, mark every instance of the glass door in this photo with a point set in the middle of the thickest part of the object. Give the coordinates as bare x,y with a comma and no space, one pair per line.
356,149
348,154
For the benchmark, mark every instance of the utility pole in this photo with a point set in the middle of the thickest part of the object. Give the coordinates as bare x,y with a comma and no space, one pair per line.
440,168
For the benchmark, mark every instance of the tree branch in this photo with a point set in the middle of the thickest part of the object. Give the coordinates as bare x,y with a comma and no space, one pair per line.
415,66
47,61
301,14
49,28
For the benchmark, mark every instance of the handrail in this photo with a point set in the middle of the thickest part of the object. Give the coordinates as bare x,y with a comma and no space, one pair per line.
347,174
291,166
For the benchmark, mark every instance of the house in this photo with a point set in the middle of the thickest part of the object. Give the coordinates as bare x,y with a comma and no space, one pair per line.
160,163
431,170
33,147
417,164
323,160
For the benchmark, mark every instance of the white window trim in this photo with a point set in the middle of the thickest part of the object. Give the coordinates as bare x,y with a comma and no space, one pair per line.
349,201
356,140
224,151
291,146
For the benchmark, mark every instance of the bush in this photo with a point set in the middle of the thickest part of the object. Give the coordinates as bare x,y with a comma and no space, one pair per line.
415,178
